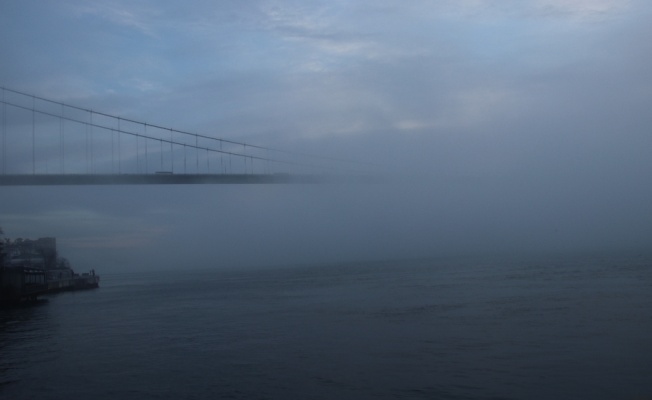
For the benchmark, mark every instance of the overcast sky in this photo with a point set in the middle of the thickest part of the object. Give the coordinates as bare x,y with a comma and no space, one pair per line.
507,126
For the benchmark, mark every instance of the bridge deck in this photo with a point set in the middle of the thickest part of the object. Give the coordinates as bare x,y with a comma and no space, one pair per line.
154,179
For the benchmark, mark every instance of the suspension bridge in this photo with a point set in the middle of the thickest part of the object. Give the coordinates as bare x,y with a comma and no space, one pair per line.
47,142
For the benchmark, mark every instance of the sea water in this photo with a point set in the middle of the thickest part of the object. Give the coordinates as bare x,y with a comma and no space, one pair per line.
427,329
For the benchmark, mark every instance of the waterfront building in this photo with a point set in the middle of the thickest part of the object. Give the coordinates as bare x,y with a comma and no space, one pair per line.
29,268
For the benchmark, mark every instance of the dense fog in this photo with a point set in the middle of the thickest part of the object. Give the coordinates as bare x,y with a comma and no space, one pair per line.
498,128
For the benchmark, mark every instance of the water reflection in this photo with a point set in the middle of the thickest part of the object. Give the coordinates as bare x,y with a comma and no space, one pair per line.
26,338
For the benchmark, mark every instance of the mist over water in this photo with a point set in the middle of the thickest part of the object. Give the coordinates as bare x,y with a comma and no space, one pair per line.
117,228
552,328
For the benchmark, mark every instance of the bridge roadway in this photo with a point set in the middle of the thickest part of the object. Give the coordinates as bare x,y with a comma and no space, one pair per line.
171,179
151,179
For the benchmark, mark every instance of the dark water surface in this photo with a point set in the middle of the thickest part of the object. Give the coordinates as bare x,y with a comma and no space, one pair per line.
561,329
